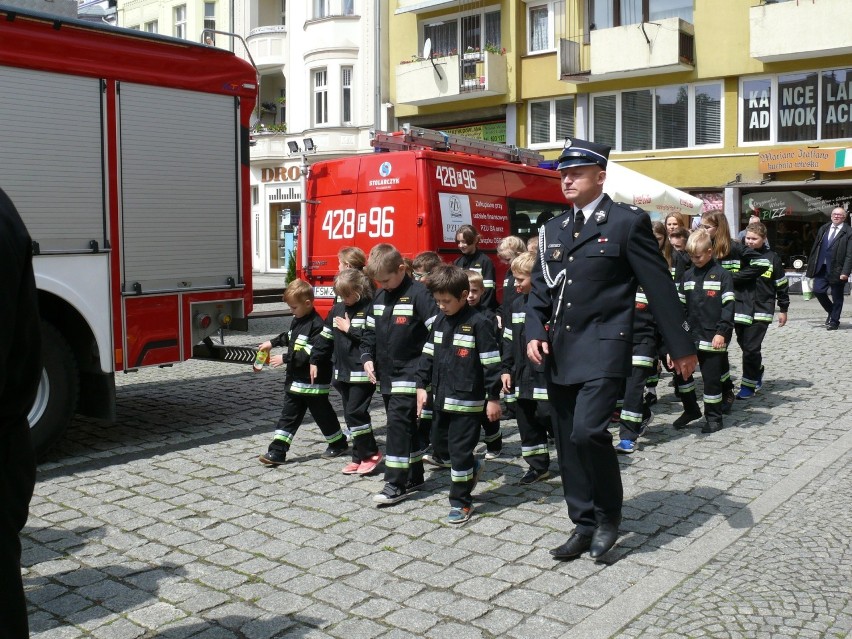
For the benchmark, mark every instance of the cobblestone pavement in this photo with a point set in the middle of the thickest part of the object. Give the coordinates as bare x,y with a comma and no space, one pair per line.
165,524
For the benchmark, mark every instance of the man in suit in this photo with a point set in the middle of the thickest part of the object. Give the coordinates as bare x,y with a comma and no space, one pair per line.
20,370
830,263
579,322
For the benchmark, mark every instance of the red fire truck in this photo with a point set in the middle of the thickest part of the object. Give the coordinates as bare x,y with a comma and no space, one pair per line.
134,187
415,192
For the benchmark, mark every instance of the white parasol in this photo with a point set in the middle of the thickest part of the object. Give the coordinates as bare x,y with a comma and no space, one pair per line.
631,187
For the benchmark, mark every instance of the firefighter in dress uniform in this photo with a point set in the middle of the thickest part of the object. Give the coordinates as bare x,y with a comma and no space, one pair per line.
580,323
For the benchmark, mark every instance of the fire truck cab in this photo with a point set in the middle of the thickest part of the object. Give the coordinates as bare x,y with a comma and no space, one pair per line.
414,192
126,154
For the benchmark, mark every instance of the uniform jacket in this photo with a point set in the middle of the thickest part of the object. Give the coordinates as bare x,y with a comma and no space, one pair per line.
302,337
344,349
510,294
397,328
745,266
708,293
461,362
528,378
758,305
20,340
585,290
841,257
482,264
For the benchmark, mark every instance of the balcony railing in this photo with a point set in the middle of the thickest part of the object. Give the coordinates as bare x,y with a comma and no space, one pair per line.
451,78
797,30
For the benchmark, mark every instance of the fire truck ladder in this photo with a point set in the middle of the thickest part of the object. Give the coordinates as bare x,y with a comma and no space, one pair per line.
413,138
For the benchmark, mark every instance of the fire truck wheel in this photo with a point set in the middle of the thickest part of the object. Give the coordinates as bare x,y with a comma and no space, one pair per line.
56,399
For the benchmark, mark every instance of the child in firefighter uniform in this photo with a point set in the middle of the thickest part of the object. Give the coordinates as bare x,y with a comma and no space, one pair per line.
461,363
754,313
526,380
636,414
472,259
304,390
492,435
396,331
339,344
707,290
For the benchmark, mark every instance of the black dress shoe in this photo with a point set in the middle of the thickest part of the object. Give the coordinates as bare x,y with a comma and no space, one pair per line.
603,539
576,545
832,327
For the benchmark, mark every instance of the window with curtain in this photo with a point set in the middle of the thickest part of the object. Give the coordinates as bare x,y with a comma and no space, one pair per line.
551,121
636,120
444,36
604,14
603,118
708,114
346,95
320,96
538,21
669,117
493,35
210,18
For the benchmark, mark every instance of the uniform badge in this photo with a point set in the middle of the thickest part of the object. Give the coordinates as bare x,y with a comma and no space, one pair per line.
462,352
466,328
712,276
600,216
685,326
711,293
400,319
565,222
554,253
603,239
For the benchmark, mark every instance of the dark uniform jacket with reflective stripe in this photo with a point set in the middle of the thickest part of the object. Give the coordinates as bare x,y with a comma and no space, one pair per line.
461,362
708,293
301,338
586,289
344,349
480,262
397,328
528,378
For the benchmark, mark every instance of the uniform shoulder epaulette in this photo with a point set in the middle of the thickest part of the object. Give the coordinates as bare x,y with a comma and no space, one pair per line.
636,210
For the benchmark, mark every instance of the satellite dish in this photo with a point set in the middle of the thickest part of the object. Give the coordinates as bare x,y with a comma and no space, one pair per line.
427,55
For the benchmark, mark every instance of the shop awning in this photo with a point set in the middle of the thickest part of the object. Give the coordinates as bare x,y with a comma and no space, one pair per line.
629,186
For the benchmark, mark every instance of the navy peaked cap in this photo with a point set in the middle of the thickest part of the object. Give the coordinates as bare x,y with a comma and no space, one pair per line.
583,153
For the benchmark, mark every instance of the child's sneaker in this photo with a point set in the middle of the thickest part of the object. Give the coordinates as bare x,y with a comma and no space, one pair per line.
273,457
493,454
625,447
369,465
351,468
414,484
432,458
335,451
459,515
651,398
745,393
685,418
532,476
390,495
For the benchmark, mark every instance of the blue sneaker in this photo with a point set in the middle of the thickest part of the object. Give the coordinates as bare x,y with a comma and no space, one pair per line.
459,515
625,447
745,393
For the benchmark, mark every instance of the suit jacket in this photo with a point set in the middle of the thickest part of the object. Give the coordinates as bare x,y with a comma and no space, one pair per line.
840,262
584,292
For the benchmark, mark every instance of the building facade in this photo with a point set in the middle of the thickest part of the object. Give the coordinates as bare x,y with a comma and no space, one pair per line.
745,104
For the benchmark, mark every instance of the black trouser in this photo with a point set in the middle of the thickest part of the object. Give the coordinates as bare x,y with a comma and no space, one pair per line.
713,366
356,414
832,305
424,426
17,479
492,435
591,479
534,421
403,453
462,437
750,338
293,413
633,408
440,428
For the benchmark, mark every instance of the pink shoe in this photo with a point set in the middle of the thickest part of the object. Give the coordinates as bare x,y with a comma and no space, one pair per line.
351,468
369,465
